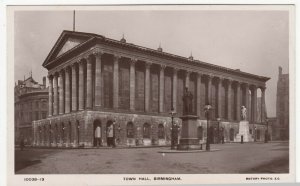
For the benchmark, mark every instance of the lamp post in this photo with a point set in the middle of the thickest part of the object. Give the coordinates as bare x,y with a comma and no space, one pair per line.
207,109
218,131
173,131
254,134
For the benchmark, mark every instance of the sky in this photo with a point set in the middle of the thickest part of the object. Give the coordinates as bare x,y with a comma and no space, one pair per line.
253,41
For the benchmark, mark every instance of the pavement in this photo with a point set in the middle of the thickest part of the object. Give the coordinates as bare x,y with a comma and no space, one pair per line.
230,158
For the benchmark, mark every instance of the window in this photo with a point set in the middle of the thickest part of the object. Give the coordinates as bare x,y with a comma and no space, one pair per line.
36,104
36,115
161,131
200,133
130,130
146,130
44,115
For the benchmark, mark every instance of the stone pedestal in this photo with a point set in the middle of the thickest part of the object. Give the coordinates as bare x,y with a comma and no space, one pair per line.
189,139
243,131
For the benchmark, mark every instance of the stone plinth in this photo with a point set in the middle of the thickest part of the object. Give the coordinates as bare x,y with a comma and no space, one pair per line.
243,131
189,139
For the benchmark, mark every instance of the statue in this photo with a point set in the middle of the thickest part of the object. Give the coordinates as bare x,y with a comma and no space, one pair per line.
244,112
187,102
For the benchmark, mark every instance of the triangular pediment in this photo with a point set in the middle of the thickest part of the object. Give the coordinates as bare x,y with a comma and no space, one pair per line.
67,41
69,44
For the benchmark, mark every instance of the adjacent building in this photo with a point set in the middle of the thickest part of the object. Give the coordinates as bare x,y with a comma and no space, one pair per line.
101,88
281,126
31,103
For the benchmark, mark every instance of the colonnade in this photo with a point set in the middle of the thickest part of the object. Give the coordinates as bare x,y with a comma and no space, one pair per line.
80,86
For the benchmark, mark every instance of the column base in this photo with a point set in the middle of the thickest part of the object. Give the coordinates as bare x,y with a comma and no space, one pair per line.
189,144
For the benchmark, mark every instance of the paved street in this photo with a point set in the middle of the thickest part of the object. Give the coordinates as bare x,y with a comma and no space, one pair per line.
232,158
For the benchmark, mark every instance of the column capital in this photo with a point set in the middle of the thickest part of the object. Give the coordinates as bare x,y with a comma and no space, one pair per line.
209,76
116,57
98,53
61,72
220,79
162,67
50,76
187,73
133,61
175,70
229,80
148,64
253,86
262,88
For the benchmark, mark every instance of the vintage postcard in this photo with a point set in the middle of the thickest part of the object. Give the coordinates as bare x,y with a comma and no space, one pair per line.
151,94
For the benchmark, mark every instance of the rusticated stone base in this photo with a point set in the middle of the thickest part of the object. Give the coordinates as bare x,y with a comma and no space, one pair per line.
189,140
189,144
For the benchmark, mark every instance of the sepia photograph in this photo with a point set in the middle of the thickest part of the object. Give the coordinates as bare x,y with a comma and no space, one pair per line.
151,94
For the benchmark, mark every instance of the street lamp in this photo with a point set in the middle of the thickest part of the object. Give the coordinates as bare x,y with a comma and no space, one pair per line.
173,131
218,132
254,134
207,109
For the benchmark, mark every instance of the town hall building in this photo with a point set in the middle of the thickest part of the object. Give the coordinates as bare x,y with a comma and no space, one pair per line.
102,89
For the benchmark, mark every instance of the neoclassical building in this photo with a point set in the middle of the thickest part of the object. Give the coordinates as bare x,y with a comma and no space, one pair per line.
95,82
31,103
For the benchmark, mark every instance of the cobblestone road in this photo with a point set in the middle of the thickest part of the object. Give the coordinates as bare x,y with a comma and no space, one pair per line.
232,158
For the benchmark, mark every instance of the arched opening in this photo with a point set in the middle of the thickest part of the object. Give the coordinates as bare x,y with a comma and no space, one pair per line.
78,132
97,133
110,134
130,130
200,132
146,130
56,133
40,135
161,131
50,135
231,134
45,134
63,133
70,132
258,134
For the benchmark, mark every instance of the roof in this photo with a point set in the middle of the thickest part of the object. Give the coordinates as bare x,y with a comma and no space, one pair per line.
89,39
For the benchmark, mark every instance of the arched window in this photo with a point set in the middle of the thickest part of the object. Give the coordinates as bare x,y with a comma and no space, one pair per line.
70,132
200,133
258,134
161,131
146,130
63,132
130,130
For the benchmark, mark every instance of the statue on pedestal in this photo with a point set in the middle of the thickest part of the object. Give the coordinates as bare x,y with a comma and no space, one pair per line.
244,112
187,102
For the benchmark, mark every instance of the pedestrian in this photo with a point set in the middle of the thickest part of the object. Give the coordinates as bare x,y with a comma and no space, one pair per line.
98,136
110,136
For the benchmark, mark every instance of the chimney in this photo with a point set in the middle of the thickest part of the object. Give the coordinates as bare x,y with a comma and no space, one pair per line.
44,81
280,70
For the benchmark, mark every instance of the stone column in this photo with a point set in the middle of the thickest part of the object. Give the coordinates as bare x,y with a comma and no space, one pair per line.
61,93
89,81
174,97
198,96
209,79
161,88
67,84
98,84
219,98
229,100
74,88
187,79
263,106
116,83
247,101
132,84
55,92
238,101
147,86
81,87
50,77
254,104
